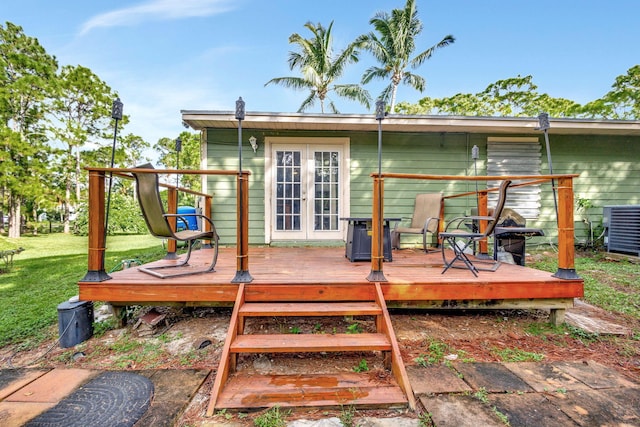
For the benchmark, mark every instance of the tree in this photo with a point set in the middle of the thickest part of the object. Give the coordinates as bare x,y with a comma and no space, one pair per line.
320,68
82,108
514,97
393,47
622,102
26,80
189,157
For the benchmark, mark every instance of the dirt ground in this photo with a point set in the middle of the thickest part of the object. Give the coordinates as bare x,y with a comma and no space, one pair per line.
193,338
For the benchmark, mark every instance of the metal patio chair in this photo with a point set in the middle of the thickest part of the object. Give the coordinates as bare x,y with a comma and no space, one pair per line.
148,192
460,239
425,219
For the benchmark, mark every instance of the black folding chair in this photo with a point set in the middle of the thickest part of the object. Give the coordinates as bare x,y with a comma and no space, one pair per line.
460,240
148,192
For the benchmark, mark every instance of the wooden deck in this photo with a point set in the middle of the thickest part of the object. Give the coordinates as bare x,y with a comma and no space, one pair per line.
323,282
414,279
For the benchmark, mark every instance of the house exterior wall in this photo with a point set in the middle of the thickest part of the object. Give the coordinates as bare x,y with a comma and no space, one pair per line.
609,169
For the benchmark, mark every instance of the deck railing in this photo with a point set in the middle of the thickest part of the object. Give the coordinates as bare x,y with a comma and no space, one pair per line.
564,187
97,215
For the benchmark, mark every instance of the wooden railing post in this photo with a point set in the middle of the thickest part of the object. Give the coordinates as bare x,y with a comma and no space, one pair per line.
172,208
566,255
483,197
242,235
97,237
205,224
377,229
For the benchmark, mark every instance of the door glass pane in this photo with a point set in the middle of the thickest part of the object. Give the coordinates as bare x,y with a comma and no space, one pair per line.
326,191
288,176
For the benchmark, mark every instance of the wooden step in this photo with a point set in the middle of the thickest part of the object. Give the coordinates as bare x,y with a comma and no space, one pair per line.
320,390
363,308
311,343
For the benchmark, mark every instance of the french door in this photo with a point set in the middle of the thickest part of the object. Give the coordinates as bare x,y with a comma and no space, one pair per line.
307,191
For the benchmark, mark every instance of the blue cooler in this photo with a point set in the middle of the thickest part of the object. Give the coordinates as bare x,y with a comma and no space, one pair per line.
192,221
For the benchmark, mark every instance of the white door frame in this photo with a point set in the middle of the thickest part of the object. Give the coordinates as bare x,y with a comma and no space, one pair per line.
311,143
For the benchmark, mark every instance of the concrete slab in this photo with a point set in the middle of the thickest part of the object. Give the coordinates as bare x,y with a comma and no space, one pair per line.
595,325
16,414
529,409
595,375
12,380
592,319
435,380
52,386
174,389
544,377
598,408
459,411
493,377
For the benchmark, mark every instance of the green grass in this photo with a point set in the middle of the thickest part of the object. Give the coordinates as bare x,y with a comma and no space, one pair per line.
516,355
47,273
613,285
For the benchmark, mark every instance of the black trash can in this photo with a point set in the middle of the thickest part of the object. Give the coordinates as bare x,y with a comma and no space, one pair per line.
75,322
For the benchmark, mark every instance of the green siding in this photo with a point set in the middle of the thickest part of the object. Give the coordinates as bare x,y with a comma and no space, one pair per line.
609,171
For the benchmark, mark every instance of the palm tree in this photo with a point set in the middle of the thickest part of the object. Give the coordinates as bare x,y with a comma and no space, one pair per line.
320,69
393,46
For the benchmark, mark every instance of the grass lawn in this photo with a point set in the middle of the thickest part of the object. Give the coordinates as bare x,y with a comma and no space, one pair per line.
46,273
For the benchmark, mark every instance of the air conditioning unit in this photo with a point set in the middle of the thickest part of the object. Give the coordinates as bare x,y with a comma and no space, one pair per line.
622,228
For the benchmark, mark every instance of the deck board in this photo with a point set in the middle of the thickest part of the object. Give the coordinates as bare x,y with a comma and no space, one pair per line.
325,274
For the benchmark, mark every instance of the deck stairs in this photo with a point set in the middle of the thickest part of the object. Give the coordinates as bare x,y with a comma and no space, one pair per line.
234,390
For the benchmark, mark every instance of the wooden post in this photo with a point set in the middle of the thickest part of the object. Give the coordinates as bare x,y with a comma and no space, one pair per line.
242,234
566,256
97,240
483,197
377,229
205,224
172,207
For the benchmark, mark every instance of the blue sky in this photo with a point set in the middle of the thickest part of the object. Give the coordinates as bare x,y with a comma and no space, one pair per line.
163,56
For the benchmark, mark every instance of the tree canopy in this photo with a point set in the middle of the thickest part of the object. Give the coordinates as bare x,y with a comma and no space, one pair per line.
519,97
393,44
320,69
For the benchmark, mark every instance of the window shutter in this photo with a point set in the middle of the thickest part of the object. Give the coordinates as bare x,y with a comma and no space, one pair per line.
515,156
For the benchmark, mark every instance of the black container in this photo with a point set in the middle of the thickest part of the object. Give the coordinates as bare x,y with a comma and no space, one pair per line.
75,322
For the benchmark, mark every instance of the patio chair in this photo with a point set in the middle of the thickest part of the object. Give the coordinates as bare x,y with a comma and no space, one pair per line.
425,219
148,192
460,239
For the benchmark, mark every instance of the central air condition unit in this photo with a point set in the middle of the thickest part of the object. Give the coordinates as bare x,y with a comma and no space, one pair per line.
622,228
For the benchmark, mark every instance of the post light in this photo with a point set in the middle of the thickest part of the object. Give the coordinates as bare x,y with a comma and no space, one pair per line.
242,271
178,150
543,121
380,113
117,108
377,251
240,118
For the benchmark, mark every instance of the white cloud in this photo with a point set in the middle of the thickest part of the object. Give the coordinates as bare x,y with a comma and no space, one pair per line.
156,10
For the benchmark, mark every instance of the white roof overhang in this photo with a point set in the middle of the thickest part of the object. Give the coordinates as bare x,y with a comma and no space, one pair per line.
198,120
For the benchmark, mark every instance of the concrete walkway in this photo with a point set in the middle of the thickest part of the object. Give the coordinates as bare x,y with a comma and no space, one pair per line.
463,394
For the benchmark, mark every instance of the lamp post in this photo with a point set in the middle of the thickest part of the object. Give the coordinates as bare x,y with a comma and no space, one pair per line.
377,240
178,150
240,118
543,120
116,114
475,155
380,113
242,270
